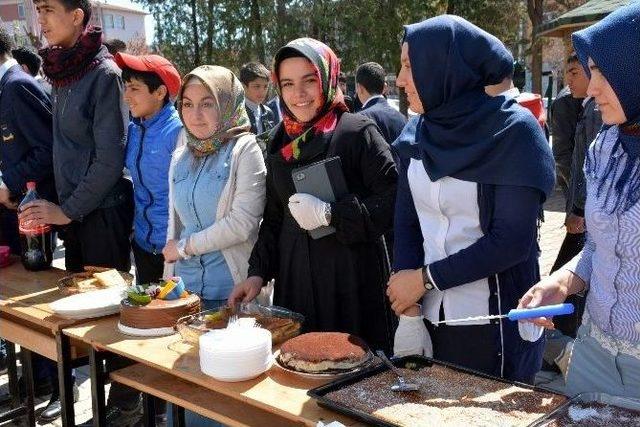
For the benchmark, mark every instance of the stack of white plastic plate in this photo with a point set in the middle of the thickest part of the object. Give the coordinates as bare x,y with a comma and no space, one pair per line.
89,304
235,354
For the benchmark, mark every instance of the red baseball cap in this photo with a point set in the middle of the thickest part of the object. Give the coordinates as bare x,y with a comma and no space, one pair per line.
155,64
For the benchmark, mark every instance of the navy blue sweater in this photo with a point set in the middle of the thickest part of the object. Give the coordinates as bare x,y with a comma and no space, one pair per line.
389,121
26,128
507,255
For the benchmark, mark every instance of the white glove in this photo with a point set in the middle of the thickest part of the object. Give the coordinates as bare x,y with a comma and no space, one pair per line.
530,331
412,338
308,210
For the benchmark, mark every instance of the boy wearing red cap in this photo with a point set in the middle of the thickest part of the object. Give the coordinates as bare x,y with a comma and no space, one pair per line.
150,83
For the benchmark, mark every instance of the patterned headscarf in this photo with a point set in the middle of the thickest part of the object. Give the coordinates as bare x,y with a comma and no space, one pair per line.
327,67
233,120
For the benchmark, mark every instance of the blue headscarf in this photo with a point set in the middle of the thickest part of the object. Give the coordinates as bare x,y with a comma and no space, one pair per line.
464,133
614,46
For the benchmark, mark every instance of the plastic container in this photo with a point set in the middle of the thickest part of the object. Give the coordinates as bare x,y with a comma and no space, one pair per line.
283,324
5,256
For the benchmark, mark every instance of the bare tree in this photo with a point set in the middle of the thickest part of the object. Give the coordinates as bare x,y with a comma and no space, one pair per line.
535,12
194,30
256,26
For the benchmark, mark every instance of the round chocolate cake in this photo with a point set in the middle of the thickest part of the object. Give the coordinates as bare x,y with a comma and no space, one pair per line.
323,352
158,313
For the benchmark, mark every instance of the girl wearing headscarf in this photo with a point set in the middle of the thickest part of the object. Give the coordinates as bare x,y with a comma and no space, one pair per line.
216,187
337,281
606,353
471,187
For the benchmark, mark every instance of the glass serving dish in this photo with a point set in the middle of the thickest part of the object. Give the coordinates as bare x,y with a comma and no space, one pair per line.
283,323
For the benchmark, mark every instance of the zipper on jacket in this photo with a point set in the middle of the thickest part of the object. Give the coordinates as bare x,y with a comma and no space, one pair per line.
66,100
144,211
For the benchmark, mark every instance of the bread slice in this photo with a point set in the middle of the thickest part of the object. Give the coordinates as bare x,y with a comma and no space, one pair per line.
90,284
110,278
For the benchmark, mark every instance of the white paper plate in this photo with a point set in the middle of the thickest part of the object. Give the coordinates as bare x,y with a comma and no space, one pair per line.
89,304
330,376
138,332
241,374
88,314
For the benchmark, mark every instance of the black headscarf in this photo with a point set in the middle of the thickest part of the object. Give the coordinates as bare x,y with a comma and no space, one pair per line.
614,46
465,133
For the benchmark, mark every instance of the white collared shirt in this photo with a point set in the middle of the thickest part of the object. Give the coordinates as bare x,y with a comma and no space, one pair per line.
366,104
257,113
514,92
6,65
449,218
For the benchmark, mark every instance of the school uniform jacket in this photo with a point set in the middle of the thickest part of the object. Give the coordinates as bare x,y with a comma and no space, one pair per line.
480,242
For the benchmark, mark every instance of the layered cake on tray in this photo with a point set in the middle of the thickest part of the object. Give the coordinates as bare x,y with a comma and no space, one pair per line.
324,352
154,310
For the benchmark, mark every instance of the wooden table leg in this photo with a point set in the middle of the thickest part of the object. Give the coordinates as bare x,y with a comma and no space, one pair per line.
178,416
149,416
12,371
98,377
27,375
65,379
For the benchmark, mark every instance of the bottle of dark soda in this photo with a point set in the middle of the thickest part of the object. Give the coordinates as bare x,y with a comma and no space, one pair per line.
36,240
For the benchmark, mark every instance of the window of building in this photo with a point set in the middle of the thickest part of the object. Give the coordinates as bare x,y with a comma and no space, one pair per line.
119,21
108,20
21,12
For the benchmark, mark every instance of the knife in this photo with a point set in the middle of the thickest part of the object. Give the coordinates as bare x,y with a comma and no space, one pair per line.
520,313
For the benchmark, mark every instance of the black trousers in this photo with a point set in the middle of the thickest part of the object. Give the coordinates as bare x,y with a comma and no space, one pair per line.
472,346
103,239
149,266
571,246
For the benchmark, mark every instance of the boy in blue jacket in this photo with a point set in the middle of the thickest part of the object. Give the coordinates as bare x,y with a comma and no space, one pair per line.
150,82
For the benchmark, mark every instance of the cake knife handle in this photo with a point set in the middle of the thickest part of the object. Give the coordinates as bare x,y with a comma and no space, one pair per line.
542,311
387,362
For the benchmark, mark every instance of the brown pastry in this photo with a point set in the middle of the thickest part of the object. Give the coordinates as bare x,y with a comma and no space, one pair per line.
319,352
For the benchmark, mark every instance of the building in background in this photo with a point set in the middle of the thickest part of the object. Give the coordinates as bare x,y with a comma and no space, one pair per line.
20,19
119,22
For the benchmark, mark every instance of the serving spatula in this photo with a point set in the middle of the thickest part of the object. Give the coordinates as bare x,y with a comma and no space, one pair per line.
401,384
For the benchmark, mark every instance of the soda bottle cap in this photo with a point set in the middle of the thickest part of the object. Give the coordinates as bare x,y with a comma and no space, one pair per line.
31,185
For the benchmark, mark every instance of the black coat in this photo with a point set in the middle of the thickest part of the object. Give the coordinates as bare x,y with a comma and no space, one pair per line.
90,122
268,119
389,120
565,112
26,127
337,282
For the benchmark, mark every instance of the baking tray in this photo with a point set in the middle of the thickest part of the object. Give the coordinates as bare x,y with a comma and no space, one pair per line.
606,399
319,393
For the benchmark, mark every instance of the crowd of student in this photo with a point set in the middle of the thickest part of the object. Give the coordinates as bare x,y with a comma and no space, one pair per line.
440,220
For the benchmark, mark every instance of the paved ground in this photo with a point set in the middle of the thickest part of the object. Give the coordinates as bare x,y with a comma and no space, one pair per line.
552,234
